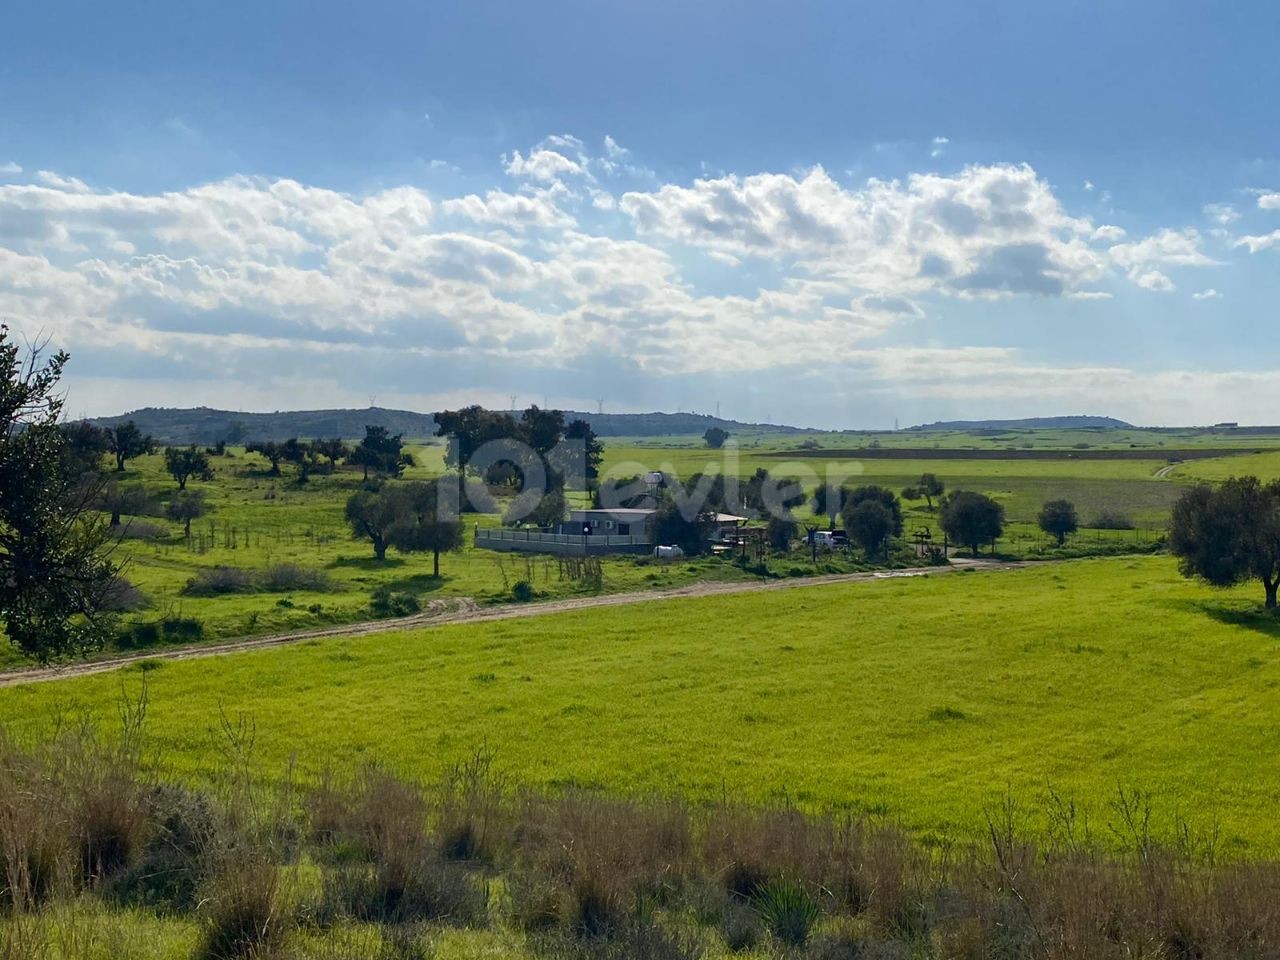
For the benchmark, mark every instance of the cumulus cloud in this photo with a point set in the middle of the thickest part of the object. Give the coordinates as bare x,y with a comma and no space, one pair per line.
1209,294
1260,242
238,279
1269,200
10,169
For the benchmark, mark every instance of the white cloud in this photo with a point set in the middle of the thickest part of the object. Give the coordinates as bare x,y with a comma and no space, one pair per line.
242,278
1263,242
1223,214
1088,186
939,143
10,169
1209,294
545,166
1151,280
1269,201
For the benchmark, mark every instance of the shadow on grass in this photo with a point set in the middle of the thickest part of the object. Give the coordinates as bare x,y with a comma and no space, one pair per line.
371,564
1251,617
419,583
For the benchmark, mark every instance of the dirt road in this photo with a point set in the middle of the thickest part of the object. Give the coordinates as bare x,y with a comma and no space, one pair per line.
468,612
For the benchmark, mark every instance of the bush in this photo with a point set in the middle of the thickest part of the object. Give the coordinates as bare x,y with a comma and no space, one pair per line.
167,873
788,910
217,581
140,530
242,911
286,577
1112,520
182,629
384,602
135,635
522,591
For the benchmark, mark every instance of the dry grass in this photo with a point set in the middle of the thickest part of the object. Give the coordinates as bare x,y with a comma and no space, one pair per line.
84,831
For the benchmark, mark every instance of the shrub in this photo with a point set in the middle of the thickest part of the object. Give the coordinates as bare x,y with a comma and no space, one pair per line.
787,910
1112,520
169,869
216,581
140,530
123,597
242,911
522,591
141,634
286,577
182,629
385,602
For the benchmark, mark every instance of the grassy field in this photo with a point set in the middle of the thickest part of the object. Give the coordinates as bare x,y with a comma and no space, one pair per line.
258,521
923,700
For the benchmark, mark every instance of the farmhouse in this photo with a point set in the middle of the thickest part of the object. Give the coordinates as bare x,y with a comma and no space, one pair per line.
597,531
586,532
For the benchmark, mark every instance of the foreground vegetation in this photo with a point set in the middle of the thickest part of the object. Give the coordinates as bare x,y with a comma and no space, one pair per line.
101,858
906,698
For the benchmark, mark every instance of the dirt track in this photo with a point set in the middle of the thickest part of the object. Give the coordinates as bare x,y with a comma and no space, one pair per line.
465,611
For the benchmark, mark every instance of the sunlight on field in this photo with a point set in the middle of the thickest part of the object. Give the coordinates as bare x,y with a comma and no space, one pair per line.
922,699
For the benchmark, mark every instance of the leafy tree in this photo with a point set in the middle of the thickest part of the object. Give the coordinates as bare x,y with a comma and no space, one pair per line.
585,453
870,523
671,528
372,514
881,495
930,486
828,501
186,506
1230,534
551,509
423,524
118,499
382,452
911,493
971,518
83,448
302,455
767,495
541,429
780,531
270,450
183,463
126,441
332,450
470,429
1058,519
715,437
55,580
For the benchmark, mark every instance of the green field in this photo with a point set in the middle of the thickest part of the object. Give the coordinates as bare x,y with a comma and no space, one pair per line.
258,521
923,700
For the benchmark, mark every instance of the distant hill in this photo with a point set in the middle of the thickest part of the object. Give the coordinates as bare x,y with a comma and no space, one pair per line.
1030,423
207,426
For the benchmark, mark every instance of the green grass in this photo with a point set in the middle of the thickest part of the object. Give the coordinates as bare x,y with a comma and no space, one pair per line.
921,699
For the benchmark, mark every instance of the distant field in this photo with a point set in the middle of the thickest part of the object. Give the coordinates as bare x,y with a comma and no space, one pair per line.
923,700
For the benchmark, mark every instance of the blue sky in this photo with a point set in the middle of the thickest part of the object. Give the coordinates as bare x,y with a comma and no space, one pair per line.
838,214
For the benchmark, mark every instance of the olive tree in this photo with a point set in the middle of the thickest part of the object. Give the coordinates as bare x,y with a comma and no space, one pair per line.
1058,519
56,579
1230,534
971,518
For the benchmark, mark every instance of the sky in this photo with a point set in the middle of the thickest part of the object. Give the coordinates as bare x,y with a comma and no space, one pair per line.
833,214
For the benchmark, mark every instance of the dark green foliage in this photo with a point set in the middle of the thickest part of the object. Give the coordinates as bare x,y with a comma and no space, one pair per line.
780,532
522,591
929,486
1112,520
869,524
788,910
120,500
54,575
126,441
271,451
671,528
1058,519
768,496
971,519
424,520
881,495
83,448
184,463
385,602
381,452
584,453
715,437
186,506
216,581
1230,534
